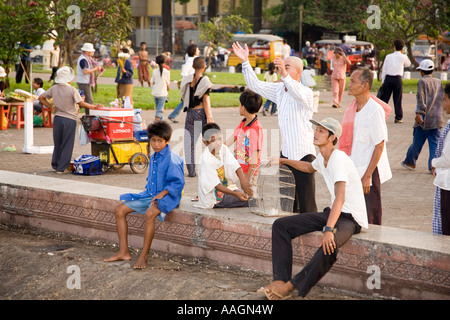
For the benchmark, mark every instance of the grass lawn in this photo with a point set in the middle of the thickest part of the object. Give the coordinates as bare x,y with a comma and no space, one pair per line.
144,100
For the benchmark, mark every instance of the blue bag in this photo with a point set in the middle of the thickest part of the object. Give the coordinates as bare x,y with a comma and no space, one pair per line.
87,165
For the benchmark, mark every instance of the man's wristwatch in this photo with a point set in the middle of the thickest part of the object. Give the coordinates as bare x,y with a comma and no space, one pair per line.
326,228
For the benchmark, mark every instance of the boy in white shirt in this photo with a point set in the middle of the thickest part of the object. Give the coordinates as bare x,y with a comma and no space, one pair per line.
217,169
346,217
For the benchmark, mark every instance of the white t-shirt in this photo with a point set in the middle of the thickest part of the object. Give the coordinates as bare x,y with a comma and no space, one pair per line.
369,130
341,168
160,83
208,174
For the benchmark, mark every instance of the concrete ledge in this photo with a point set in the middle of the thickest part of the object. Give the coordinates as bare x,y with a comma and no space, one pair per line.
412,265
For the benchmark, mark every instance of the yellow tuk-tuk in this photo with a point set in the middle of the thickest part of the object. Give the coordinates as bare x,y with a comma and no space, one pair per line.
264,48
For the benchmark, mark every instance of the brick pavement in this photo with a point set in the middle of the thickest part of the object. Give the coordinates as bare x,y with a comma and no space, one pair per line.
407,197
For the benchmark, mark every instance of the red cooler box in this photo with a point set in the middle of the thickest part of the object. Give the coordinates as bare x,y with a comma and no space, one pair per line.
118,123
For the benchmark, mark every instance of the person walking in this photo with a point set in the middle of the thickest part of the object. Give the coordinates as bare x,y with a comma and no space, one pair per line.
391,78
339,76
124,77
323,53
429,118
187,69
295,104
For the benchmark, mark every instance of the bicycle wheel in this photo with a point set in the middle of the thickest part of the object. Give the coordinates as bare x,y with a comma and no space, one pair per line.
139,162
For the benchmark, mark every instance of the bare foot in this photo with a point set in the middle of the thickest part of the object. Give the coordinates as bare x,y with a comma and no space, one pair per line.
119,257
142,262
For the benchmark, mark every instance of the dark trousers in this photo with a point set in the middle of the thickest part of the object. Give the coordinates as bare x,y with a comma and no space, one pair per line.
287,228
373,200
323,67
445,211
419,137
86,87
305,188
195,120
394,85
64,130
20,71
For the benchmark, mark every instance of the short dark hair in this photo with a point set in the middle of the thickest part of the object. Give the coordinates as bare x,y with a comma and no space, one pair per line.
366,76
191,50
125,50
447,89
399,44
209,130
39,82
160,129
335,141
143,42
251,101
425,72
198,63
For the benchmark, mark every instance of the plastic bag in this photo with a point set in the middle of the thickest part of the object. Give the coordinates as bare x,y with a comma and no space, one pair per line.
83,136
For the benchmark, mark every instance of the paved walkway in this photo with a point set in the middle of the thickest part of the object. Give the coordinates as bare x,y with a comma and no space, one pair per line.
407,197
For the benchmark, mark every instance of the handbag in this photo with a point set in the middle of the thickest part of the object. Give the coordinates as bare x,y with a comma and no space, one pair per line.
380,92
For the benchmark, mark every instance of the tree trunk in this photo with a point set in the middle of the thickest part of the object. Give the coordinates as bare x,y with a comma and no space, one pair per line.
212,9
257,15
410,55
166,13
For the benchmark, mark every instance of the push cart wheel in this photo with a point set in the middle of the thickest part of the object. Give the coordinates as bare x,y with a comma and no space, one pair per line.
139,162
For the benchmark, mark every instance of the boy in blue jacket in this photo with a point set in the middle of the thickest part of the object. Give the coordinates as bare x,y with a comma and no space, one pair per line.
162,194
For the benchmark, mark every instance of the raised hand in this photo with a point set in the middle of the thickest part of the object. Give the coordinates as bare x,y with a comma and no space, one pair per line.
241,53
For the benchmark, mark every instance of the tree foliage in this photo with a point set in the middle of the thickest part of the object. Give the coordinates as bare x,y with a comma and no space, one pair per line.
407,20
339,16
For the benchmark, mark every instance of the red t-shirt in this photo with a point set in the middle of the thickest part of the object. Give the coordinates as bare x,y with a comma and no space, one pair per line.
249,139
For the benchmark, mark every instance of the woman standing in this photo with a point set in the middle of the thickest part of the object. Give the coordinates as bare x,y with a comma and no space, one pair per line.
338,77
160,85
66,102
195,95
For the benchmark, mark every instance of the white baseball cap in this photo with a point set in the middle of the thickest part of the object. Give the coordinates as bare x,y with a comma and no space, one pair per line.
2,72
88,47
331,124
426,65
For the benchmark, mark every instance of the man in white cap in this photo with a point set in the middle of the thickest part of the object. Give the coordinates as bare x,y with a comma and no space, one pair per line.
85,71
346,216
429,115
66,102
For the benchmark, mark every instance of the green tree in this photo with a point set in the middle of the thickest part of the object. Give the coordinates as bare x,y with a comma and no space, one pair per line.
21,21
107,21
340,16
407,20
219,30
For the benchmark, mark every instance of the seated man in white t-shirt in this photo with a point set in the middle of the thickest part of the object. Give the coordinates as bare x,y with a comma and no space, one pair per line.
346,216
218,168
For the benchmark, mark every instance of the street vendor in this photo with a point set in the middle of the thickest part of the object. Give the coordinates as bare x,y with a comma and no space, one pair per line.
66,103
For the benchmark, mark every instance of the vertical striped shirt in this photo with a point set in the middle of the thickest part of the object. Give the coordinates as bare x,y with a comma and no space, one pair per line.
295,109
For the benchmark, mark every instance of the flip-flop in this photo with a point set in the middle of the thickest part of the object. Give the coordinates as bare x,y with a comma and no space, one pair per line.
194,199
261,291
278,295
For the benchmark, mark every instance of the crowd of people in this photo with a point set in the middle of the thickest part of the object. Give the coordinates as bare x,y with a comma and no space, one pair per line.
352,155
352,159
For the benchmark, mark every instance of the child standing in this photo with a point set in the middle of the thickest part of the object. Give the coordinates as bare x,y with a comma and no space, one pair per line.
162,194
160,86
217,169
270,76
248,135
143,68
441,171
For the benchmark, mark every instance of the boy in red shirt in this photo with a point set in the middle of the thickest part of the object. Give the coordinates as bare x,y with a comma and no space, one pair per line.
248,135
